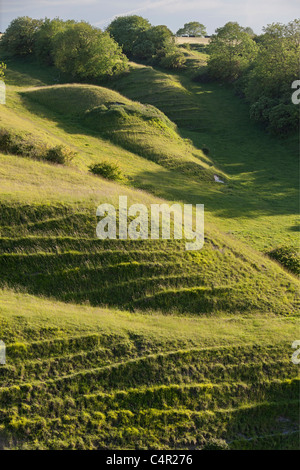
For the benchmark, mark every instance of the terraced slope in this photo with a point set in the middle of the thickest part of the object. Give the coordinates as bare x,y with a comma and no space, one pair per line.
261,203
140,383
53,251
141,129
200,346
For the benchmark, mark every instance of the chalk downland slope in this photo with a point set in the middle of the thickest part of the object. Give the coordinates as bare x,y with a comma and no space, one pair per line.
141,129
89,378
130,344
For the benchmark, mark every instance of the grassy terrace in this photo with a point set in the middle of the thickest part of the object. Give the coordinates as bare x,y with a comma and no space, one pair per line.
90,377
140,344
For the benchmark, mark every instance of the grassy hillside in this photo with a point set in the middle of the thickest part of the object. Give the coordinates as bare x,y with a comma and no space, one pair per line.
261,204
139,128
80,377
141,344
48,246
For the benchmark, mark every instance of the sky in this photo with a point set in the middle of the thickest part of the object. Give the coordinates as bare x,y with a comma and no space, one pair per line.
173,13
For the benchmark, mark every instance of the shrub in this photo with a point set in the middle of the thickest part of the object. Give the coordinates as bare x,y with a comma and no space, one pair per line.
5,140
110,171
283,119
60,155
173,60
16,144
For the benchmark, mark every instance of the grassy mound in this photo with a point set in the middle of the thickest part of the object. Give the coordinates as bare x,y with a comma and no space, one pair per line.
141,129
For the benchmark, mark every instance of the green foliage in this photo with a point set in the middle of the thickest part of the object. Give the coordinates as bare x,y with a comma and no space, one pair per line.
75,48
84,52
194,29
141,41
60,155
126,31
249,31
231,52
173,60
266,66
106,169
268,84
288,257
27,146
19,37
45,38
216,444
2,70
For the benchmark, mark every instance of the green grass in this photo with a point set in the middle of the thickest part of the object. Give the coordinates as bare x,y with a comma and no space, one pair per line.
82,377
140,344
260,205
141,129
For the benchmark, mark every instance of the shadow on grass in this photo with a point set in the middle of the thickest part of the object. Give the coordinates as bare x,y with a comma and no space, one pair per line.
263,183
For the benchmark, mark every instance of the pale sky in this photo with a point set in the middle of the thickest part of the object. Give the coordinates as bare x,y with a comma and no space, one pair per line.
173,13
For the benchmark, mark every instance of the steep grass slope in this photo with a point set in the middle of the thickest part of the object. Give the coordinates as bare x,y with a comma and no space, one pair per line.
139,128
261,204
89,378
49,246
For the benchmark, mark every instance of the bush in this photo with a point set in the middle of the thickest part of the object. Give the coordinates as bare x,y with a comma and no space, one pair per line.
60,155
110,171
283,119
173,60
16,144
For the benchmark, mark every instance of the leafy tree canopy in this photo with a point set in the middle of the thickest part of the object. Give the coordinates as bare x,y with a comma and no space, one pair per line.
126,29
45,37
18,39
231,52
192,29
85,52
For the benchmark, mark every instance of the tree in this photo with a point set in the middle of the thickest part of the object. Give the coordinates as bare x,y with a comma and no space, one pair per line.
160,36
126,29
45,37
249,31
85,52
277,64
192,29
231,52
19,38
157,41
269,82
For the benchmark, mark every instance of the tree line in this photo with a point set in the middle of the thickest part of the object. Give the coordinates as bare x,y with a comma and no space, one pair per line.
88,53
262,69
